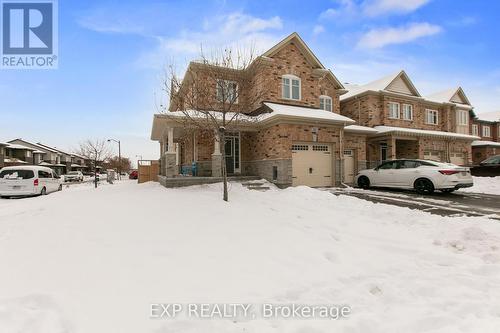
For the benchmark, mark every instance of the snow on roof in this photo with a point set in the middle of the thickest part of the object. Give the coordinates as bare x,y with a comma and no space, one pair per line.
38,152
489,116
18,146
479,143
361,129
14,160
41,147
53,148
419,132
446,96
303,112
3,144
79,156
377,85
45,164
77,166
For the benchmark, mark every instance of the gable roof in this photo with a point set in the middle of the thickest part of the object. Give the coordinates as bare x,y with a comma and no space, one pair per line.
384,84
34,145
53,148
454,95
306,51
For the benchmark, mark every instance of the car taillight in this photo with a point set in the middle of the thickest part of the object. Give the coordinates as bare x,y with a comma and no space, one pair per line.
35,182
448,172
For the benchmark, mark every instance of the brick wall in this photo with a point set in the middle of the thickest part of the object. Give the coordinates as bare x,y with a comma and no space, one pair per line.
493,126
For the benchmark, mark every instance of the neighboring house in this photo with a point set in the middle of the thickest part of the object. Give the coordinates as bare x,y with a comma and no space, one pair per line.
44,156
65,158
2,153
408,124
79,162
17,154
487,127
299,138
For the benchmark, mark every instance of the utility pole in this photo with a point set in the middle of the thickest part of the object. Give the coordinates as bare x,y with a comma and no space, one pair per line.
119,158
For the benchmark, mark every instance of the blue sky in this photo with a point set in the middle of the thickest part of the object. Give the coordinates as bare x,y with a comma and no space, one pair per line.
112,55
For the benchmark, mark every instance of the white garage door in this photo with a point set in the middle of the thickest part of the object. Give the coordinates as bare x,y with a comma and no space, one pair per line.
348,166
457,158
312,164
432,155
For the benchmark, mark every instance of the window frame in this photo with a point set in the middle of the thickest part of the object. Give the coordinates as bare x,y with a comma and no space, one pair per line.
291,78
326,98
427,113
411,112
475,129
390,110
226,84
462,115
483,132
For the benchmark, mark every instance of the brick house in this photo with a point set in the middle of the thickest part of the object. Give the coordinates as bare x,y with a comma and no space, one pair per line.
293,135
487,127
2,153
409,125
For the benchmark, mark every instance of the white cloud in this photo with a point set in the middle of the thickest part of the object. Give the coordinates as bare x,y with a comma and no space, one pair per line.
380,37
383,7
235,30
371,8
318,29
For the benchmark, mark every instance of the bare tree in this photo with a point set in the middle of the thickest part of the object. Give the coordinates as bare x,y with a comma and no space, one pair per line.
95,150
216,94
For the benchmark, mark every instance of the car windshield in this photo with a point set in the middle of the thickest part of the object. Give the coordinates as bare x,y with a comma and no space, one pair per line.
492,160
17,174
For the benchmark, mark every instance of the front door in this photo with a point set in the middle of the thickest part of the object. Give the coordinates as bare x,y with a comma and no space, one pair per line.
383,152
348,166
232,149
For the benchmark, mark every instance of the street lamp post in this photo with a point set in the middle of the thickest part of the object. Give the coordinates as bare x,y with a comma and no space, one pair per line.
140,159
119,158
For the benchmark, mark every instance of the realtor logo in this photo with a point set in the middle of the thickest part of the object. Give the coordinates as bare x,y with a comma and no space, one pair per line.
29,34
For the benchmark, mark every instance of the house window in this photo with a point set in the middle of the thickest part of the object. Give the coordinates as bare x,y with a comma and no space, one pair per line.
227,91
291,87
463,117
407,112
393,110
486,131
325,103
431,117
475,130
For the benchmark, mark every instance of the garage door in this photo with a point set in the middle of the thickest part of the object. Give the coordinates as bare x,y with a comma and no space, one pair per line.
312,164
457,158
432,155
348,166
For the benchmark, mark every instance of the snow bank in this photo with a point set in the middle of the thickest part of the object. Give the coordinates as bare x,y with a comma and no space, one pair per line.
101,257
488,185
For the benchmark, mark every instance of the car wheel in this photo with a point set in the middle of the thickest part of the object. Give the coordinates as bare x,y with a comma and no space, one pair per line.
448,190
44,191
364,182
423,186
60,187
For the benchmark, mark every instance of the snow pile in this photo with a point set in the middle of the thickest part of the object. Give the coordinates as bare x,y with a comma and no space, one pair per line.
488,185
101,257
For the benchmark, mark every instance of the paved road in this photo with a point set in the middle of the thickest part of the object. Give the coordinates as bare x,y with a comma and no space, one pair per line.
445,204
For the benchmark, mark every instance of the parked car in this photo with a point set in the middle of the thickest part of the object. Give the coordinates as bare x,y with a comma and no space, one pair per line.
490,167
421,175
18,181
133,175
73,176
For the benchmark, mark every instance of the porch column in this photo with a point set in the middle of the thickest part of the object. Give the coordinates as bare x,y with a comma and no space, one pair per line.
391,148
170,155
216,157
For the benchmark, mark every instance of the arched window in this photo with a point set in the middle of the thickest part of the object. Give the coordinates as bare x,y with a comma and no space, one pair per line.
291,87
325,103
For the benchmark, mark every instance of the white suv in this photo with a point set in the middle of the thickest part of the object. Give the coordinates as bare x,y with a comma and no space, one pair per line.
18,181
74,176
422,175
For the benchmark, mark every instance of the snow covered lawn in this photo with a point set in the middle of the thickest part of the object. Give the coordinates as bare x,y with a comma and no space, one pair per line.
488,185
87,260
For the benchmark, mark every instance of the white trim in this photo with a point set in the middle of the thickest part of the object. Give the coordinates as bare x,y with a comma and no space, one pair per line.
325,98
390,110
291,78
427,113
462,117
226,84
475,129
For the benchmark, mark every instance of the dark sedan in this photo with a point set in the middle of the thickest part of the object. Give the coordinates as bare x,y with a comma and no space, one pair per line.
490,167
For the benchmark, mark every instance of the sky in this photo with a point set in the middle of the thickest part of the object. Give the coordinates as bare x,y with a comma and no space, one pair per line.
113,55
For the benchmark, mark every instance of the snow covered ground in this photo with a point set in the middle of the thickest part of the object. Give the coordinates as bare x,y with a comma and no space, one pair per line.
488,185
86,260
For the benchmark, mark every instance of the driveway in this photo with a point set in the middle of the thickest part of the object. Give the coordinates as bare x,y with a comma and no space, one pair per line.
444,204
